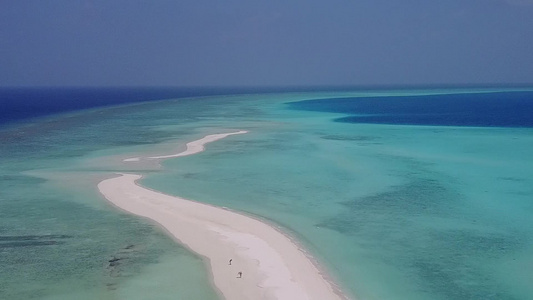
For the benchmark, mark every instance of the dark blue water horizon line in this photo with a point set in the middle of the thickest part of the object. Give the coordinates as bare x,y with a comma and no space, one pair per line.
23,103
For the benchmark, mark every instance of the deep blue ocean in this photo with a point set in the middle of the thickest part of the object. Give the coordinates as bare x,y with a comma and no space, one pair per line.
490,109
29,102
23,103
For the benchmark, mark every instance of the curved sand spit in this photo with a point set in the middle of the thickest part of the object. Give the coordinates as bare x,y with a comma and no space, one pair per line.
272,266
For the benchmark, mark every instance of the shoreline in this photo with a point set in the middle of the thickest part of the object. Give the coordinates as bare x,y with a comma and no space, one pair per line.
272,265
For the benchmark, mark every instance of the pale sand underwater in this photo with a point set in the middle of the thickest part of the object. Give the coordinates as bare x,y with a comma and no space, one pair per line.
272,265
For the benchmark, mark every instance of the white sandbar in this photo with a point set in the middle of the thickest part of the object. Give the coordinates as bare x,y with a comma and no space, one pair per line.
132,159
272,266
198,145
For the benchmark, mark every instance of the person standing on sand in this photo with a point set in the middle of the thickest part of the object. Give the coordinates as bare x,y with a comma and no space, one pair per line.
230,261
239,275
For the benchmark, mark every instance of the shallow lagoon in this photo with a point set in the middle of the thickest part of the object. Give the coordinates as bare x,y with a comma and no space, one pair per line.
393,211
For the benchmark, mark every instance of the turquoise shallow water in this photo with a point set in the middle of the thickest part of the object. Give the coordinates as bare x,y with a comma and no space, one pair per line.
393,212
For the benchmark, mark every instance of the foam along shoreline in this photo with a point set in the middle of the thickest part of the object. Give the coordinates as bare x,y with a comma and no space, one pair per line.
272,266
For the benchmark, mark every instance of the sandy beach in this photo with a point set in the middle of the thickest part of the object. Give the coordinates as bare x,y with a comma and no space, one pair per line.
272,265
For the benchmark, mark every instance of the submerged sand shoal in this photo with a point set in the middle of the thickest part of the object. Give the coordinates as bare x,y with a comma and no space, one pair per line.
272,265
